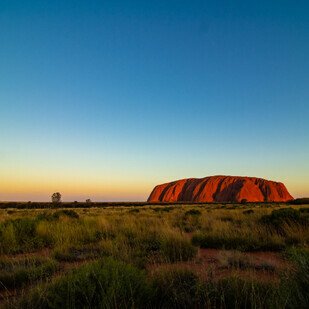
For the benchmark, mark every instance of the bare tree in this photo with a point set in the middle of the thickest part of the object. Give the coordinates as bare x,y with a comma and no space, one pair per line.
56,198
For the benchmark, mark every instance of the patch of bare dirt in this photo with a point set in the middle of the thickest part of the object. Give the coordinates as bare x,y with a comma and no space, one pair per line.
217,264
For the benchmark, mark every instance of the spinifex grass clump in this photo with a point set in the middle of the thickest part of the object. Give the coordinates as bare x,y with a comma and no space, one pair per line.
189,221
25,234
18,272
103,284
19,235
140,244
237,292
296,284
176,248
177,288
182,288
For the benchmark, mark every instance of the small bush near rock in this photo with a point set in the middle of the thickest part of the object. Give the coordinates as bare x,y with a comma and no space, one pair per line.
248,212
280,216
66,212
193,212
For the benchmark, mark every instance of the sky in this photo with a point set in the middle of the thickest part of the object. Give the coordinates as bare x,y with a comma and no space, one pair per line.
106,99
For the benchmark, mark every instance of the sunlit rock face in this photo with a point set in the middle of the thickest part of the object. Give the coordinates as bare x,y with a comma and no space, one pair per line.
221,189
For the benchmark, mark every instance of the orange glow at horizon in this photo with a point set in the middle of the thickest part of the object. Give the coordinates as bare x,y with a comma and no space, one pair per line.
40,188
78,188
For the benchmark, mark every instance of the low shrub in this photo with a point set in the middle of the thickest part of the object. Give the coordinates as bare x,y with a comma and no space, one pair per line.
248,212
66,212
190,221
304,210
300,201
133,211
193,212
226,219
150,242
235,242
164,209
57,214
46,216
277,217
286,216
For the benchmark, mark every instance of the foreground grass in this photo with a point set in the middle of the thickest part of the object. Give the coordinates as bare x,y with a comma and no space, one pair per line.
112,284
112,251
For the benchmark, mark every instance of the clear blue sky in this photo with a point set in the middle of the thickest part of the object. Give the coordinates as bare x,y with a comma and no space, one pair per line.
105,99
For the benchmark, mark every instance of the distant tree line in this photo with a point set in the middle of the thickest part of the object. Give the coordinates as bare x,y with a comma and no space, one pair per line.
88,203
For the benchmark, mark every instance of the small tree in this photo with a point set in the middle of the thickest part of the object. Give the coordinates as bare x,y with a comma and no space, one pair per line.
88,200
56,198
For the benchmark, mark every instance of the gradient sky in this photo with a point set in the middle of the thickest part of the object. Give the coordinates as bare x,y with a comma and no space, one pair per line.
105,99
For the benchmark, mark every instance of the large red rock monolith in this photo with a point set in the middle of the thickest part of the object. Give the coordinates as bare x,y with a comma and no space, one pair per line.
221,189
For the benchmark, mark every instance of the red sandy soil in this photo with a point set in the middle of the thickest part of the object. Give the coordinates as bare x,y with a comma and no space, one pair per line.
211,263
221,189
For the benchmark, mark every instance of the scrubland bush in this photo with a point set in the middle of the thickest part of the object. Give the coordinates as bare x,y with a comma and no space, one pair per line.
248,212
193,212
66,212
162,209
280,216
132,258
300,201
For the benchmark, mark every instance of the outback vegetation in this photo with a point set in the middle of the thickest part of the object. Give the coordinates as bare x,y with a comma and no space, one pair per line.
170,256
